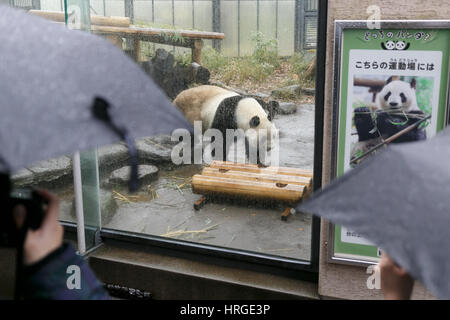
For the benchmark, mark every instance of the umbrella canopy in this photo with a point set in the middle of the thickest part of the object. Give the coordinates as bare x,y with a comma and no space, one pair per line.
400,200
49,79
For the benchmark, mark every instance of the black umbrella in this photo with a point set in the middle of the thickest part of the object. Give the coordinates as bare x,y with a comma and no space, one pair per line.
63,90
400,200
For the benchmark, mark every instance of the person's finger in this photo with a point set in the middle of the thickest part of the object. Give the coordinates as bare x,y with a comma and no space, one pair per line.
19,215
377,269
52,203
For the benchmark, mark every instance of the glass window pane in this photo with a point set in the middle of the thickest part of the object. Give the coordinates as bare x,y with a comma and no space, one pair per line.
258,57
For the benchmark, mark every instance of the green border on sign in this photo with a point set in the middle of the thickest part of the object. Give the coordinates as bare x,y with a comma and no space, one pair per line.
429,40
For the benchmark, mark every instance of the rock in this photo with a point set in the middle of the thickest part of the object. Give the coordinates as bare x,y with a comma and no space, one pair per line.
262,95
308,91
108,206
289,91
52,169
173,77
150,151
292,91
113,155
22,177
222,85
287,108
165,140
146,175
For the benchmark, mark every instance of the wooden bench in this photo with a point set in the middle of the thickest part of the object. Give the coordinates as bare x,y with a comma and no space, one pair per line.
252,182
116,28
179,38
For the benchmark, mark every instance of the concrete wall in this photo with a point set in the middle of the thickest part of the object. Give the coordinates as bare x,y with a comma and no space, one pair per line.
341,281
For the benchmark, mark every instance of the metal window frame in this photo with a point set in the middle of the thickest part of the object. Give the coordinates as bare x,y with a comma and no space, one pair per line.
284,265
339,27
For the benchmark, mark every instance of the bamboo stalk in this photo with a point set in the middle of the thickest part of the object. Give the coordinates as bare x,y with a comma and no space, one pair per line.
390,139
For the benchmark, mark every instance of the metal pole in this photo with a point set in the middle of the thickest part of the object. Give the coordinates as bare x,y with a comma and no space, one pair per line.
36,4
239,28
129,9
319,125
193,15
257,15
173,12
153,11
276,20
299,25
173,20
78,191
302,25
216,23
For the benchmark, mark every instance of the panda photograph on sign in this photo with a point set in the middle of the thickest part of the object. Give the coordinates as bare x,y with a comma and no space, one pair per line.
388,109
392,97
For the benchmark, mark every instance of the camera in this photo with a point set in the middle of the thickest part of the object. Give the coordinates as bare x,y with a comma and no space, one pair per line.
34,205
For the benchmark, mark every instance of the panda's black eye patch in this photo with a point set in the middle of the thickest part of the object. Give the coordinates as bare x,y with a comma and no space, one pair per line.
386,97
254,122
402,95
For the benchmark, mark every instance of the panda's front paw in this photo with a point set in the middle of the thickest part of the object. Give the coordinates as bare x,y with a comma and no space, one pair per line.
364,124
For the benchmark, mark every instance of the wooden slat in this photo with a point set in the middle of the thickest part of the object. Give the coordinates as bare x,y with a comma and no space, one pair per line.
207,185
58,16
244,167
143,33
252,176
120,26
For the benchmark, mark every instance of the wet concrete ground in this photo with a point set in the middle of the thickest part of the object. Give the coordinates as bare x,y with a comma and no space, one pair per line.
227,224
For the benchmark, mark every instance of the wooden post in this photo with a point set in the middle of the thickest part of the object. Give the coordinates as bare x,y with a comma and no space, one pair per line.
115,40
286,213
197,51
137,50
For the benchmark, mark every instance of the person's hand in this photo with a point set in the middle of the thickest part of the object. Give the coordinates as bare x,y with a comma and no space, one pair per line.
396,283
39,243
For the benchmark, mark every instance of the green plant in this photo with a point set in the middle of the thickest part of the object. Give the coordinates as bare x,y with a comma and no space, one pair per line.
266,50
183,58
147,50
301,62
214,60
172,36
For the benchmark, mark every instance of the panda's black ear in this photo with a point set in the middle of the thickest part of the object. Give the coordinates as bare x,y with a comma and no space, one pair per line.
389,79
273,109
254,122
413,83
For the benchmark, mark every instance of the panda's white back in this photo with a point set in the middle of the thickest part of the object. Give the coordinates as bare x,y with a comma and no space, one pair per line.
208,110
200,103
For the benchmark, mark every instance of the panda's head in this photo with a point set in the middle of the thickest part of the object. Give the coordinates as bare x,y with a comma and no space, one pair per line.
395,45
398,95
251,115
400,45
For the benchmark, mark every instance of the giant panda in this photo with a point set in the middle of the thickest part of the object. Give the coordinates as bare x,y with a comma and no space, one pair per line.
221,109
396,109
